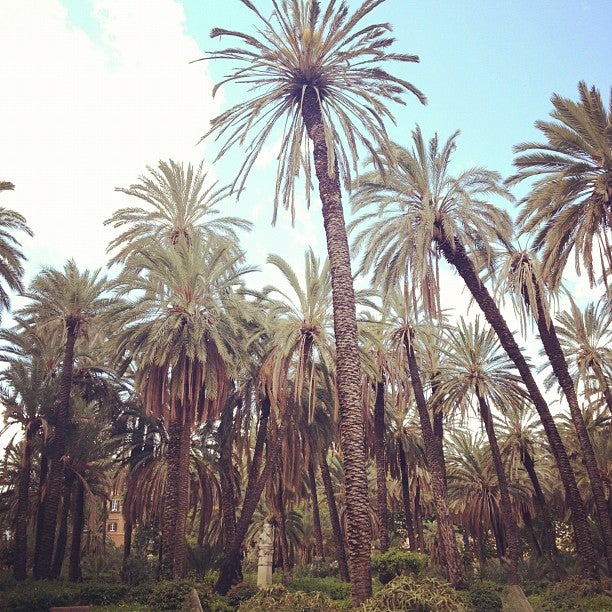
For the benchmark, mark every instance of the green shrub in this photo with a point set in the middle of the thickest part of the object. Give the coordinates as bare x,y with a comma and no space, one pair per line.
277,599
101,593
141,593
576,594
396,562
215,603
241,592
484,597
170,595
41,595
415,595
136,570
332,587
7,581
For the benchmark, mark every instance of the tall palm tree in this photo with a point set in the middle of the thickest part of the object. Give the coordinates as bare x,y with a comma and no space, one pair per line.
570,202
11,257
522,275
177,201
178,327
321,74
422,212
68,304
475,368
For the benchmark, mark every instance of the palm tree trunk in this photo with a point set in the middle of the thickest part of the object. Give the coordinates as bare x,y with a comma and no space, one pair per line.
381,466
22,515
168,538
549,530
533,538
553,349
334,518
603,385
230,566
316,515
226,476
282,530
406,495
42,567
418,517
348,369
42,480
127,539
456,256
182,505
509,524
436,469
62,534
78,522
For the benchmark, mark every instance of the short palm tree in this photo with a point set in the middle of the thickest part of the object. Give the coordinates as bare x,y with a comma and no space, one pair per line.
320,73
68,304
422,213
11,257
477,369
179,329
586,340
569,207
178,201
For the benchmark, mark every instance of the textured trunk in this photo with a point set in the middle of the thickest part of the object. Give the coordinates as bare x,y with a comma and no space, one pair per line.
381,466
226,477
458,258
42,479
44,545
182,505
168,538
230,566
509,521
316,515
418,517
549,530
553,349
406,495
334,519
62,534
435,465
348,369
127,539
282,530
22,515
533,538
78,522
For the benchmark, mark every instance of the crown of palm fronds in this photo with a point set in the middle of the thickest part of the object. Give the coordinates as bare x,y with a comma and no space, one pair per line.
570,203
301,47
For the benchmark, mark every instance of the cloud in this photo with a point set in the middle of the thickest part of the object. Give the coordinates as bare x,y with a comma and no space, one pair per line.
84,114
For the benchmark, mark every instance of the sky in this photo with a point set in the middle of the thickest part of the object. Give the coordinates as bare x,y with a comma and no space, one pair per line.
94,91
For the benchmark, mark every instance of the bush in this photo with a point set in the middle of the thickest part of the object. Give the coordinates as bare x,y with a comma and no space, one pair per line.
241,592
277,599
332,587
484,597
100,593
412,595
7,581
136,570
39,596
170,595
396,562
574,595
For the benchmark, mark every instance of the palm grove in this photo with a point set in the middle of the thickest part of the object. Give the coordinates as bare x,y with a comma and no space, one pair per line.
339,415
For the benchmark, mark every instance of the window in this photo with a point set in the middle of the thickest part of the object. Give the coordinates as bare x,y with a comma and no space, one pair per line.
112,527
114,505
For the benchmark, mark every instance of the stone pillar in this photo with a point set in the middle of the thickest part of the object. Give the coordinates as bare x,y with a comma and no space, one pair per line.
265,554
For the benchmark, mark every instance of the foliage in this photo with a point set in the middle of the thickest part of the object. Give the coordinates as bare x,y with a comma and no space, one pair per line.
395,562
331,586
484,596
277,599
136,570
241,592
171,595
100,593
572,595
417,595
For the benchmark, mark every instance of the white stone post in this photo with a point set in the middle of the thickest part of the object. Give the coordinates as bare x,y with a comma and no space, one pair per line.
265,554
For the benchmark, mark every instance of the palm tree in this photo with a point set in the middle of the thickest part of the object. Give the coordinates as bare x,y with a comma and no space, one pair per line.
406,332
68,304
321,76
178,201
570,203
179,330
421,213
586,340
522,276
11,257
476,368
